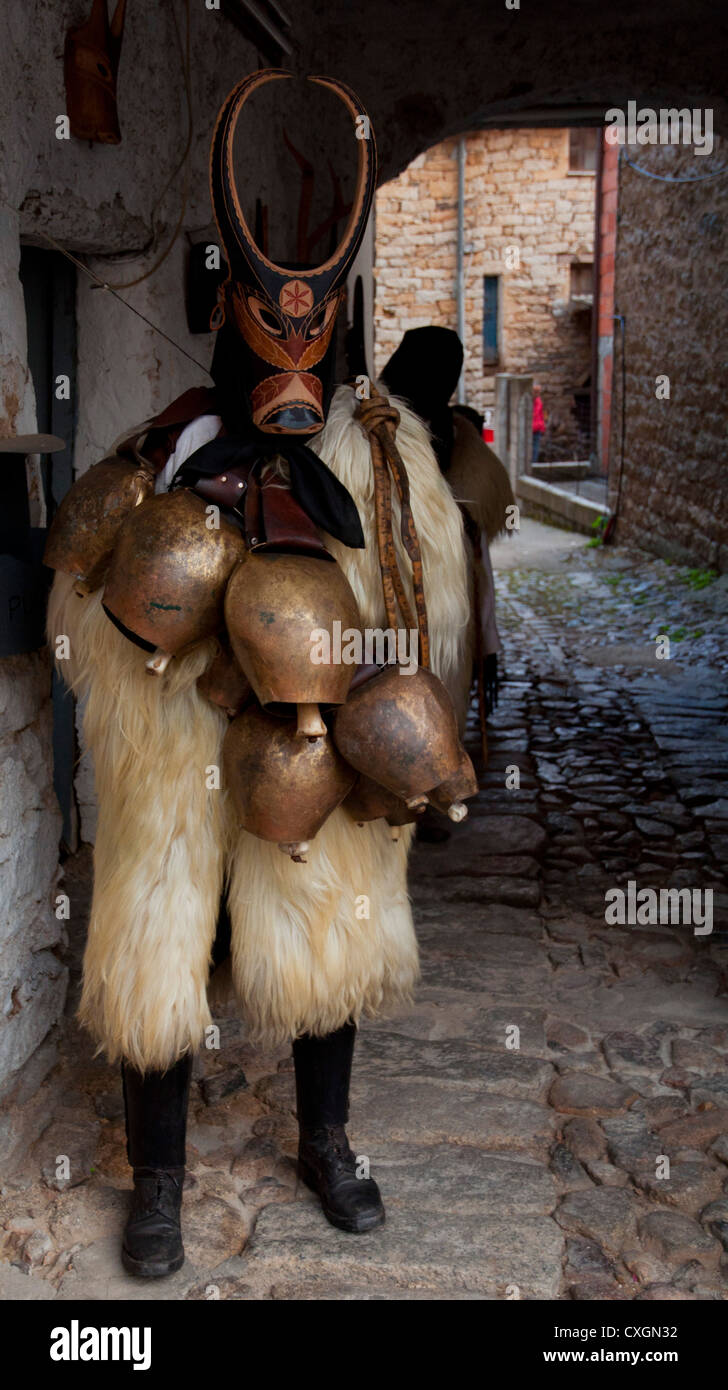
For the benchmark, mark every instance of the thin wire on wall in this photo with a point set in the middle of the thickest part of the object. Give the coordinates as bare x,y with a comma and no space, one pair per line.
184,160
113,288
670,178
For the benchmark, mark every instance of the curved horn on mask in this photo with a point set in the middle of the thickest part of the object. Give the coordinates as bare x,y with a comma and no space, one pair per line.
240,246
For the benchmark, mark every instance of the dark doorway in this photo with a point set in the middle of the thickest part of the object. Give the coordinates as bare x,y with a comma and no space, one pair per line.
49,287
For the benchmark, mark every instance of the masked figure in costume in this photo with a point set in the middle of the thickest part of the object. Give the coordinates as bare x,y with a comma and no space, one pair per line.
251,772
424,370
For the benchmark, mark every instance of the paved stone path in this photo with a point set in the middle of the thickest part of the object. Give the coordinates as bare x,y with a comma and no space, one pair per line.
551,1120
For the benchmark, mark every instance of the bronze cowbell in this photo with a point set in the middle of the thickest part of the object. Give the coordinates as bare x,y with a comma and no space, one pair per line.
275,605
400,730
168,574
283,787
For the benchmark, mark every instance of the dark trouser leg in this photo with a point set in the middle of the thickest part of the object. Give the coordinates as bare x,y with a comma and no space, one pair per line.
325,1160
223,935
323,1074
156,1123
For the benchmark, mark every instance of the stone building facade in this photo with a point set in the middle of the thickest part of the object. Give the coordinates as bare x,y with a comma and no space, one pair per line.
671,277
528,260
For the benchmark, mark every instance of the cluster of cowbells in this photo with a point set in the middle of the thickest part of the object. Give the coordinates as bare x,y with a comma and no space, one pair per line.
388,744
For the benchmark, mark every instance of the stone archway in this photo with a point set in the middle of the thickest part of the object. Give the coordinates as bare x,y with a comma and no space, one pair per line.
428,71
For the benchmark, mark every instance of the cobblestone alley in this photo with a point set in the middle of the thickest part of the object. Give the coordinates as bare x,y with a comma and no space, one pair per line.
590,1160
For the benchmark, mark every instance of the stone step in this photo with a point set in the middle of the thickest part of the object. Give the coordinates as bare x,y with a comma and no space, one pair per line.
416,1248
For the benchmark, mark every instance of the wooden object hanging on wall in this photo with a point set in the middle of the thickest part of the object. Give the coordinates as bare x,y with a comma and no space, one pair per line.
90,64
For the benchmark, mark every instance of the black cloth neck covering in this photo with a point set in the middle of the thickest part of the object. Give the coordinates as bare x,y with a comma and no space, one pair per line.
316,489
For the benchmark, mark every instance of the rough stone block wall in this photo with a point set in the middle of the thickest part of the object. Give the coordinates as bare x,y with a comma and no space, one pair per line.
519,196
32,979
672,270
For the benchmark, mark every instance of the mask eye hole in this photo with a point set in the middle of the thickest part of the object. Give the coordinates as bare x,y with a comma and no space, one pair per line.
321,318
266,316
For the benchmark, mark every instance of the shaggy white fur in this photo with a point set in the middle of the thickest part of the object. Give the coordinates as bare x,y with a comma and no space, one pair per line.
312,944
161,838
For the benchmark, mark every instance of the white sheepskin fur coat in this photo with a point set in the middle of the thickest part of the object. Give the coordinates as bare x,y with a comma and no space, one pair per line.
168,845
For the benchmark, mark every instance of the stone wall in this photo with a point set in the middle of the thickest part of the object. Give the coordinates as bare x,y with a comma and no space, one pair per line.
527,220
32,980
672,269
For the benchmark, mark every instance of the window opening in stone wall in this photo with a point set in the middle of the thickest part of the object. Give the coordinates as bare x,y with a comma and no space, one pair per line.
581,282
582,150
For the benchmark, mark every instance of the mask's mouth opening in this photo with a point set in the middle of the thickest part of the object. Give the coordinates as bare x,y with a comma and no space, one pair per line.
292,419
289,403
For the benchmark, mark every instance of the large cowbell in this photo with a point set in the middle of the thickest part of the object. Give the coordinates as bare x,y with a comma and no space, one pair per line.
283,319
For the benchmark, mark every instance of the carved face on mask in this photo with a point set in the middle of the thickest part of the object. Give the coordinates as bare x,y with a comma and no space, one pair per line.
277,324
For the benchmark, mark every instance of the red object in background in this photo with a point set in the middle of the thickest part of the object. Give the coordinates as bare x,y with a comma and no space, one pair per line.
488,435
605,320
538,420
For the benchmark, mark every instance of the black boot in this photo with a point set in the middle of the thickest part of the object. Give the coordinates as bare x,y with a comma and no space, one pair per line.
156,1122
325,1161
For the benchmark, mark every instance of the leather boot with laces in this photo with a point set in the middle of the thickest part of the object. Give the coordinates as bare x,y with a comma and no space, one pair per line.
152,1244
325,1160
156,1122
328,1166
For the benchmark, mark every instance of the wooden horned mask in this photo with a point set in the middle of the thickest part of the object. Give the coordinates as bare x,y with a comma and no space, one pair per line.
282,320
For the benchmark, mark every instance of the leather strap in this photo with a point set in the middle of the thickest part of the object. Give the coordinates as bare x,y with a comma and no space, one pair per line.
363,674
315,488
379,419
198,400
269,514
285,524
253,515
227,490
161,432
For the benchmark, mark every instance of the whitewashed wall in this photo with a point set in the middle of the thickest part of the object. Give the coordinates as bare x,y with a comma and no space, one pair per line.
91,199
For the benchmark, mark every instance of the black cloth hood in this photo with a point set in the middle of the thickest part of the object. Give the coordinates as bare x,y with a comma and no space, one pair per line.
425,370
